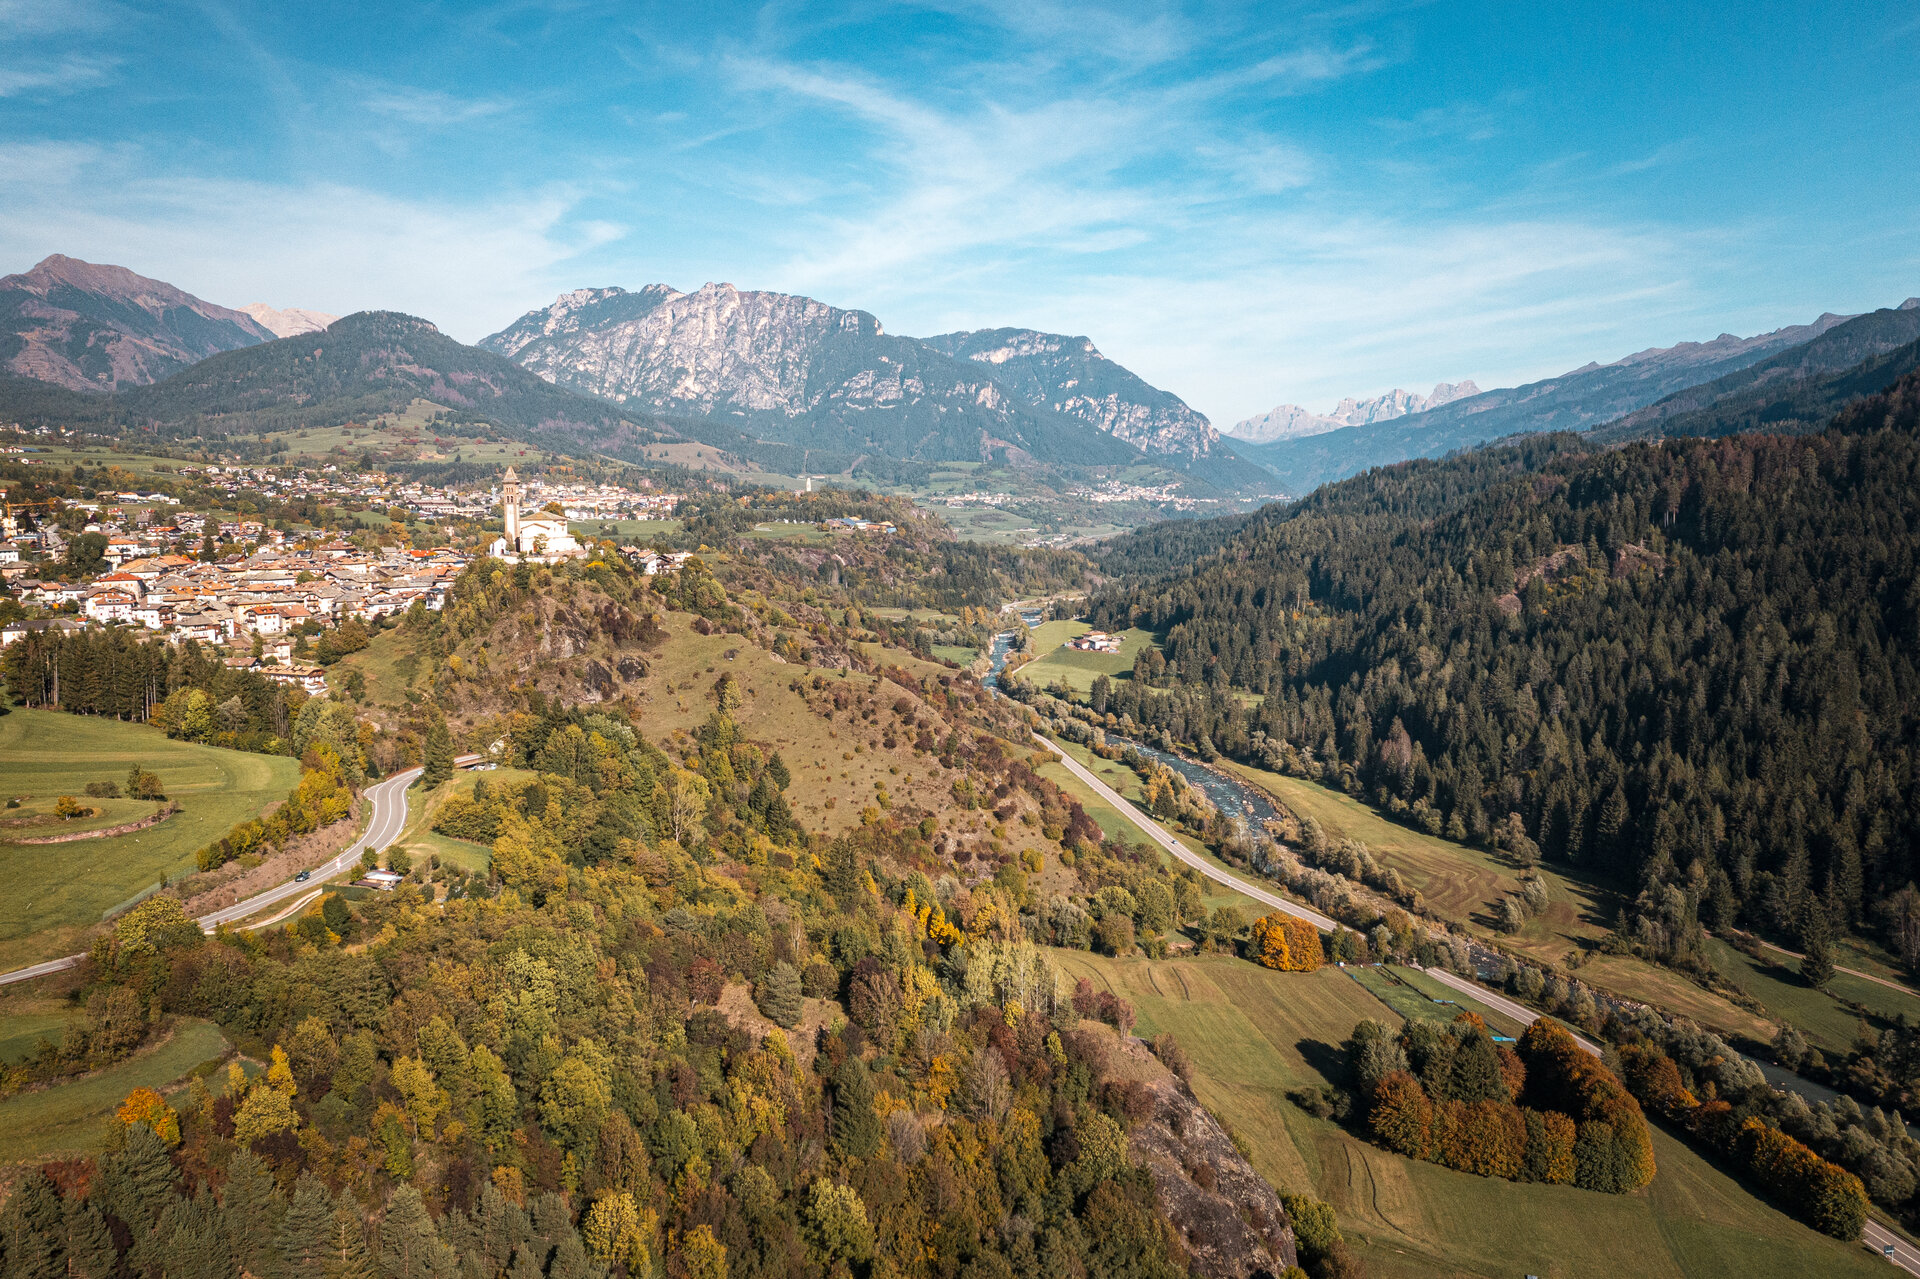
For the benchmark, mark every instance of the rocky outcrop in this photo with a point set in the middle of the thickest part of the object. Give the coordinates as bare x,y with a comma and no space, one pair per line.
89,327
1230,1220
289,323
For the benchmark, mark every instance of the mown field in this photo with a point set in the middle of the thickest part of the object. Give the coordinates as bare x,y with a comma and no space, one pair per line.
1075,669
71,1118
1255,1036
1827,1023
1465,885
57,891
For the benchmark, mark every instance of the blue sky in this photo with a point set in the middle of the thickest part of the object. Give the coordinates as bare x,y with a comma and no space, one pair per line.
1245,204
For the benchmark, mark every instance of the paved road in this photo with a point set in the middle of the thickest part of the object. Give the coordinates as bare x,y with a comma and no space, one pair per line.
1904,1256
1158,834
1499,1003
389,799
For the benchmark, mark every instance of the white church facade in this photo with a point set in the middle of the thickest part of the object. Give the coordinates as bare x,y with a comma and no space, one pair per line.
538,539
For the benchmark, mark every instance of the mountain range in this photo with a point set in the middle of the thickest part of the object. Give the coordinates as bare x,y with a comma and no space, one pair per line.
793,370
1290,421
773,382
1582,399
777,382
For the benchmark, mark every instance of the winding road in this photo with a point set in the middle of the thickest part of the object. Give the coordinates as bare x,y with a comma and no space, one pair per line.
389,817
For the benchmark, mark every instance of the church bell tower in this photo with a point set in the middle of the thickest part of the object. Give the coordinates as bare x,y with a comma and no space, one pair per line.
510,502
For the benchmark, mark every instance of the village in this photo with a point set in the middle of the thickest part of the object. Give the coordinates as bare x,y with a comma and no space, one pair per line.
264,591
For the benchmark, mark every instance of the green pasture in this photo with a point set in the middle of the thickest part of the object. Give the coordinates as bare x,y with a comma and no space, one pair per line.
58,891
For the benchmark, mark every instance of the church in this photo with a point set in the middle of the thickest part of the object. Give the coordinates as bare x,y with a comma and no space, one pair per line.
538,539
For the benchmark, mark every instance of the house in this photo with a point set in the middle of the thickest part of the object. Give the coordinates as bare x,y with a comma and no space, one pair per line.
1095,642
311,678
111,605
9,553
20,630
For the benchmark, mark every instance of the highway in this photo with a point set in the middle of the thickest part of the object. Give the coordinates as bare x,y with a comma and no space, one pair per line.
389,817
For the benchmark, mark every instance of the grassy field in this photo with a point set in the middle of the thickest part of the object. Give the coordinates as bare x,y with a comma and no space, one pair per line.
1075,669
1828,1024
21,1032
1255,1036
1465,885
71,1118
57,891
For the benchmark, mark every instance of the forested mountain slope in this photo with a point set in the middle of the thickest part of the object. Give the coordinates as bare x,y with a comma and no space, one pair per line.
1690,665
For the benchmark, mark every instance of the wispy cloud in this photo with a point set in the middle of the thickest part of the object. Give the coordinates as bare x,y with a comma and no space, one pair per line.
328,246
430,108
68,74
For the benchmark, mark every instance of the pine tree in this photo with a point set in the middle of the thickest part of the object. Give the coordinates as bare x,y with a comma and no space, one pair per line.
856,1129
1816,964
347,1256
1475,1070
778,995
302,1238
90,1250
138,1182
410,1248
254,1208
439,754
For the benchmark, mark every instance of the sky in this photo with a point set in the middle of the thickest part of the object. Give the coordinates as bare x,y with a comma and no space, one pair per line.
1245,204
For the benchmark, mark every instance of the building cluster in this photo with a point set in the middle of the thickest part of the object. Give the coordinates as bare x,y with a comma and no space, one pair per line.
268,594
1167,495
1095,642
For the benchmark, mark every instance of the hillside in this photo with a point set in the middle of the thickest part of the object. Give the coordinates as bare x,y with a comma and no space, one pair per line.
797,371
94,328
1684,667
1574,401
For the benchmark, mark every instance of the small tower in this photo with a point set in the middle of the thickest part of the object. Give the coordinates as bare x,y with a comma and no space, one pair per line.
510,503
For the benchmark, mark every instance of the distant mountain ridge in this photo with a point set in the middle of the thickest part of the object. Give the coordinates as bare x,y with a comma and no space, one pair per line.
91,327
1578,400
1290,421
291,322
1798,389
795,370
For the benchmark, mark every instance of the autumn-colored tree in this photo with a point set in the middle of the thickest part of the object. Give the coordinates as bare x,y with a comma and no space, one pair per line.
1549,1152
146,1106
1269,942
1402,1117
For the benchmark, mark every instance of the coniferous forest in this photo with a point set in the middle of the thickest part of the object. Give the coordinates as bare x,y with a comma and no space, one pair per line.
1689,666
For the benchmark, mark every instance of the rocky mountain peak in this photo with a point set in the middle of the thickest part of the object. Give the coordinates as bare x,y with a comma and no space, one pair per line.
1290,421
288,323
